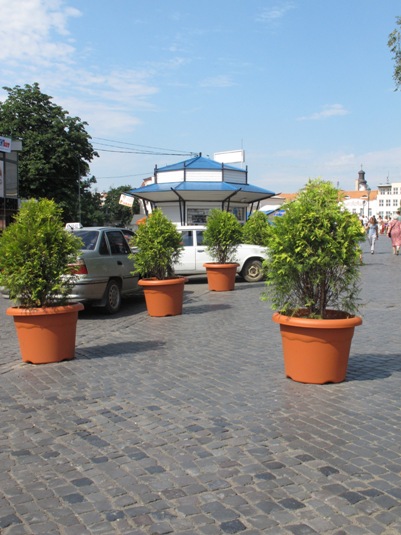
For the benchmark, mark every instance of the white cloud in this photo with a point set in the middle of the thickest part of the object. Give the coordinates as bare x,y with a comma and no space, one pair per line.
36,47
293,154
271,15
101,118
330,110
217,81
32,29
345,161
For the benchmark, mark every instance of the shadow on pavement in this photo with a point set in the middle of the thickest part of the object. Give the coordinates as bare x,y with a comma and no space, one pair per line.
117,349
369,368
129,307
202,309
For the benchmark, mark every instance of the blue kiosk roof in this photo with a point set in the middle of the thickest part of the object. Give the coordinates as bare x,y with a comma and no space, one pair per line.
201,191
198,162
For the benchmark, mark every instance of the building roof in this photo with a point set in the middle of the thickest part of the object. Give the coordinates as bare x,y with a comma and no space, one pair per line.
198,162
201,191
361,194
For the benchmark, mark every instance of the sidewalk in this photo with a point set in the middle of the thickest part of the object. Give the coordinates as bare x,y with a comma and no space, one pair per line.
187,425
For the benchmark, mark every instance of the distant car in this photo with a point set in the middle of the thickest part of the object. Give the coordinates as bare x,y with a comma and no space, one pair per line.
249,257
104,270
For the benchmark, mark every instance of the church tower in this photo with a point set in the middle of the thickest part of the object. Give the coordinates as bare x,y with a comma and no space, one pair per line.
361,184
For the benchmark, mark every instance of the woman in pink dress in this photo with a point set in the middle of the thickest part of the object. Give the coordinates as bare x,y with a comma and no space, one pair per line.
394,232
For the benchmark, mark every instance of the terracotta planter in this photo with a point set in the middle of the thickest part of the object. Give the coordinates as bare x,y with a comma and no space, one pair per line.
46,334
316,351
221,277
163,297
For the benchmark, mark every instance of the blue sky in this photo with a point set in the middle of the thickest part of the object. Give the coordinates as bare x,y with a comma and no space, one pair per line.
305,87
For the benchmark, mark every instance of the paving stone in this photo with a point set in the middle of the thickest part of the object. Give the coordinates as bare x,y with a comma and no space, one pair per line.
152,429
233,526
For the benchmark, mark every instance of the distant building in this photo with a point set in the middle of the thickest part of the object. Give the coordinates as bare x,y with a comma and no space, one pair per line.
388,198
363,201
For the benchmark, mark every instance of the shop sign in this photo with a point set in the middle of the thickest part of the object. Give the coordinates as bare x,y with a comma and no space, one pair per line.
5,144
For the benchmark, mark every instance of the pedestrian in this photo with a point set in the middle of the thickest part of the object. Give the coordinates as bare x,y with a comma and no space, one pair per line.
382,224
372,229
394,232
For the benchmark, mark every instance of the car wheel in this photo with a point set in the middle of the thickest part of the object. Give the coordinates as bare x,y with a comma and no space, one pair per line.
113,297
252,271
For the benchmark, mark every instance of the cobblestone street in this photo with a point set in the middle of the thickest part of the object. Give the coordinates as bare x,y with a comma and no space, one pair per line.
187,425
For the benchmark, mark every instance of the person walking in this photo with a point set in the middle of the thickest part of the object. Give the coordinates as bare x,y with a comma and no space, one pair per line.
382,224
372,229
394,232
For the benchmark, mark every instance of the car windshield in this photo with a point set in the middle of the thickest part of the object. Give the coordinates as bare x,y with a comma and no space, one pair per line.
89,238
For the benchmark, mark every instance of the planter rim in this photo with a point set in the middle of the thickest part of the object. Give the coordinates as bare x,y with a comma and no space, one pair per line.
42,311
162,282
293,321
221,266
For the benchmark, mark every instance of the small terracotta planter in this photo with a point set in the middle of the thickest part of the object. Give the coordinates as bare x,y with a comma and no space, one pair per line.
221,277
164,297
47,334
316,351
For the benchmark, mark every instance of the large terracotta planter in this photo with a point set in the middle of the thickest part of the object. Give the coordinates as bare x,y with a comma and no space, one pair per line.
221,277
316,351
164,297
46,334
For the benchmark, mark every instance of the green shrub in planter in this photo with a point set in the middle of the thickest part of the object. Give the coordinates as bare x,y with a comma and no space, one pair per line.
35,256
159,246
255,230
314,255
222,236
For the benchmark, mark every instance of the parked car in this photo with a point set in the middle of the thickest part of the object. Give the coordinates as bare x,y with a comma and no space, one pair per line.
128,233
104,270
249,257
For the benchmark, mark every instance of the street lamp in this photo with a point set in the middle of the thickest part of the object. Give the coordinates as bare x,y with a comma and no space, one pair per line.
368,190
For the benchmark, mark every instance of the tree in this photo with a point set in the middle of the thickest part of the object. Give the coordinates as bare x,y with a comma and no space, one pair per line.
115,213
56,148
394,45
91,205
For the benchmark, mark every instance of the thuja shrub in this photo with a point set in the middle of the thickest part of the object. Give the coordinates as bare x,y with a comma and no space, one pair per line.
222,236
159,247
255,230
36,253
314,252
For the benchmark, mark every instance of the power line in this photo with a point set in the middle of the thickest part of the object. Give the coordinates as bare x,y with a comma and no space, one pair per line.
142,152
124,147
175,151
123,176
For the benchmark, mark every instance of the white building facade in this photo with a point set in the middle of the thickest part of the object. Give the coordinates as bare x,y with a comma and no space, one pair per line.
388,199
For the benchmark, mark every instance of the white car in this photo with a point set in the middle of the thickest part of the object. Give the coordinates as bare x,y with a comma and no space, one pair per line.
194,255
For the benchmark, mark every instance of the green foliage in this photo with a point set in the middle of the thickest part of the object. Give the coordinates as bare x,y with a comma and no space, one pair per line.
394,46
35,253
255,230
56,148
115,213
222,236
92,214
314,255
159,246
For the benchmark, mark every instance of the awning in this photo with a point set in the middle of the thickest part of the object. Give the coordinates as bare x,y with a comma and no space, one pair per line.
201,191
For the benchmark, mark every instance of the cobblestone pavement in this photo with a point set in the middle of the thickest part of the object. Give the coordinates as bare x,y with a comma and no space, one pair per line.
187,425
